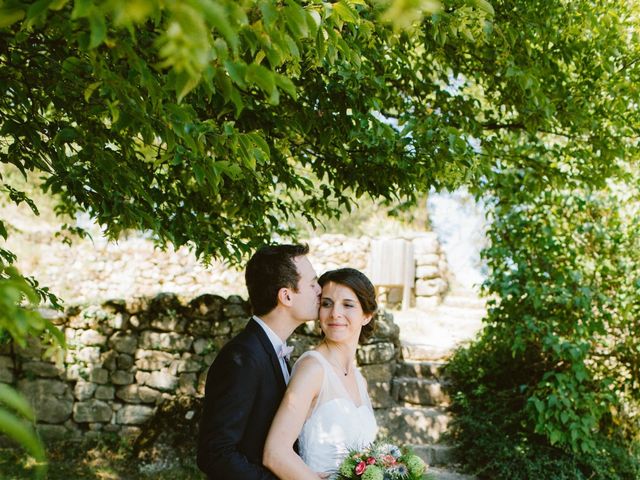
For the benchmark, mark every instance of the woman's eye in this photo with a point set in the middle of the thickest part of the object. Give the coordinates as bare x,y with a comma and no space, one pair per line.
325,303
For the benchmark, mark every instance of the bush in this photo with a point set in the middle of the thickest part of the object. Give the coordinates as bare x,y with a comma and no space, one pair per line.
550,390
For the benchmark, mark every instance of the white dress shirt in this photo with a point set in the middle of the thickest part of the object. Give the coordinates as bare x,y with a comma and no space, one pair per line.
277,343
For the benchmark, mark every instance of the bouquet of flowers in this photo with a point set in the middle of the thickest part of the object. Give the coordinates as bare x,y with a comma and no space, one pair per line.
381,461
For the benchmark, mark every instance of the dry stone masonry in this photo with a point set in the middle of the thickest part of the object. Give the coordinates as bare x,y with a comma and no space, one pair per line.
125,358
93,271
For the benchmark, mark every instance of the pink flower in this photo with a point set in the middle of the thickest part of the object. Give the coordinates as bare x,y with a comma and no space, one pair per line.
371,461
389,460
360,468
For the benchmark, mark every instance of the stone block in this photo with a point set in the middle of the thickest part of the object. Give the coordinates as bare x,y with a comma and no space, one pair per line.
186,364
148,395
379,372
89,355
410,425
166,341
153,360
168,323
124,342
162,381
109,360
141,377
375,353
426,244
428,288
84,390
199,328
208,306
128,393
120,377
236,310
427,272
134,414
42,369
419,391
380,394
202,345
427,259
92,411
99,375
90,338
105,392
51,433
219,328
124,362
186,384
52,400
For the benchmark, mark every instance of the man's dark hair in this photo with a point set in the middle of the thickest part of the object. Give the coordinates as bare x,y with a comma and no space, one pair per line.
270,269
364,290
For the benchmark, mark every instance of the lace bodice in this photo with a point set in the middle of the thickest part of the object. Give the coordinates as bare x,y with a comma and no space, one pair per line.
336,423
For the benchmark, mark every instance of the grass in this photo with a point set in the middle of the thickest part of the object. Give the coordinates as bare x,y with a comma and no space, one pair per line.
108,458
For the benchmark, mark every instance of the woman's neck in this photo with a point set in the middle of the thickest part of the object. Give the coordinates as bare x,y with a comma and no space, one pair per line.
340,355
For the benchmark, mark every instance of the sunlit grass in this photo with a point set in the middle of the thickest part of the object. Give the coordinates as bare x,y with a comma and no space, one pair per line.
106,459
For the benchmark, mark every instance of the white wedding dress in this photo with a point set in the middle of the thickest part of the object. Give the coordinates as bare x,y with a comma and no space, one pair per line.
336,423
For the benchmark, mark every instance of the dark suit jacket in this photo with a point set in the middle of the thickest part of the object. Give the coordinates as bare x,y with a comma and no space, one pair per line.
243,392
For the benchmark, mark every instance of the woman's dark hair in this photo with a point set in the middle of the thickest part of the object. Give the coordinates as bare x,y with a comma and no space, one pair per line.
270,269
364,290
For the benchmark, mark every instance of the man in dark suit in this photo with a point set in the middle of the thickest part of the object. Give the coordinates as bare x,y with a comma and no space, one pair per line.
247,379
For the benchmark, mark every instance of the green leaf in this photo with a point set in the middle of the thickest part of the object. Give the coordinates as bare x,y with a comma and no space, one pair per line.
217,16
81,9
15,401
345,12
98,28
484,6
287,85
90,89
184,83
22,433
37,9
237,72
10,15
261,76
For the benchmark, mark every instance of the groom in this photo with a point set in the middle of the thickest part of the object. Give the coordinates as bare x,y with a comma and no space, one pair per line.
247,379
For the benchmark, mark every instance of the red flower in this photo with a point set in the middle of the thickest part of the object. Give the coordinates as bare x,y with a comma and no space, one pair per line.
360,468
371,461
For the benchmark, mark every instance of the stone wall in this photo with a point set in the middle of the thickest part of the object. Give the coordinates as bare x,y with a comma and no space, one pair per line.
125,358
90,272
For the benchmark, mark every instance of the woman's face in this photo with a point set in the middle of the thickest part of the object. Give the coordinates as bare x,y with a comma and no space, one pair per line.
341,315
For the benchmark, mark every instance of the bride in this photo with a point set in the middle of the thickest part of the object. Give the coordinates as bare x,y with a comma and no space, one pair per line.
326,406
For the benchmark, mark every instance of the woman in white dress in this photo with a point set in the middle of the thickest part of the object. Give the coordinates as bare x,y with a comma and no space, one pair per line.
326,406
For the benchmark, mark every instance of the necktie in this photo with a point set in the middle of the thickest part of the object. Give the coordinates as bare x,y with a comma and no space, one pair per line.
285,351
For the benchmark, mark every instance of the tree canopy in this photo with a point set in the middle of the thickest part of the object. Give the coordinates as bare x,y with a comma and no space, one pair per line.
211,123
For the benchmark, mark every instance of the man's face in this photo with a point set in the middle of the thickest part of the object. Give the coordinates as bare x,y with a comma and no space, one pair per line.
306,300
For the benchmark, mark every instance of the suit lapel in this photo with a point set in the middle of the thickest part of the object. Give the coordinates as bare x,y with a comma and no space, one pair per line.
266,344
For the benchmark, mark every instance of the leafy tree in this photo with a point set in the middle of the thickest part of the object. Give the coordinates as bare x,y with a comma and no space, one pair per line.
550,388
212,123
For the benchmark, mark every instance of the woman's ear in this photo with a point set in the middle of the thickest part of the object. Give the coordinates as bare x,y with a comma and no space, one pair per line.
367,319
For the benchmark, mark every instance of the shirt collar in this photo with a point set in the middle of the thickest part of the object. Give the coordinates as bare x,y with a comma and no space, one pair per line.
275,340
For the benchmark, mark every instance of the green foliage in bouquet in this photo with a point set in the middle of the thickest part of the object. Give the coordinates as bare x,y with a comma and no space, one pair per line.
381,461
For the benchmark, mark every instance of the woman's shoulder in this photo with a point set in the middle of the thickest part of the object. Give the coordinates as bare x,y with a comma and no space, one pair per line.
311,359
310,365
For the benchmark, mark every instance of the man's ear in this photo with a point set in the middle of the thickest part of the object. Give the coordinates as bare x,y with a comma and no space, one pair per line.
284,296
